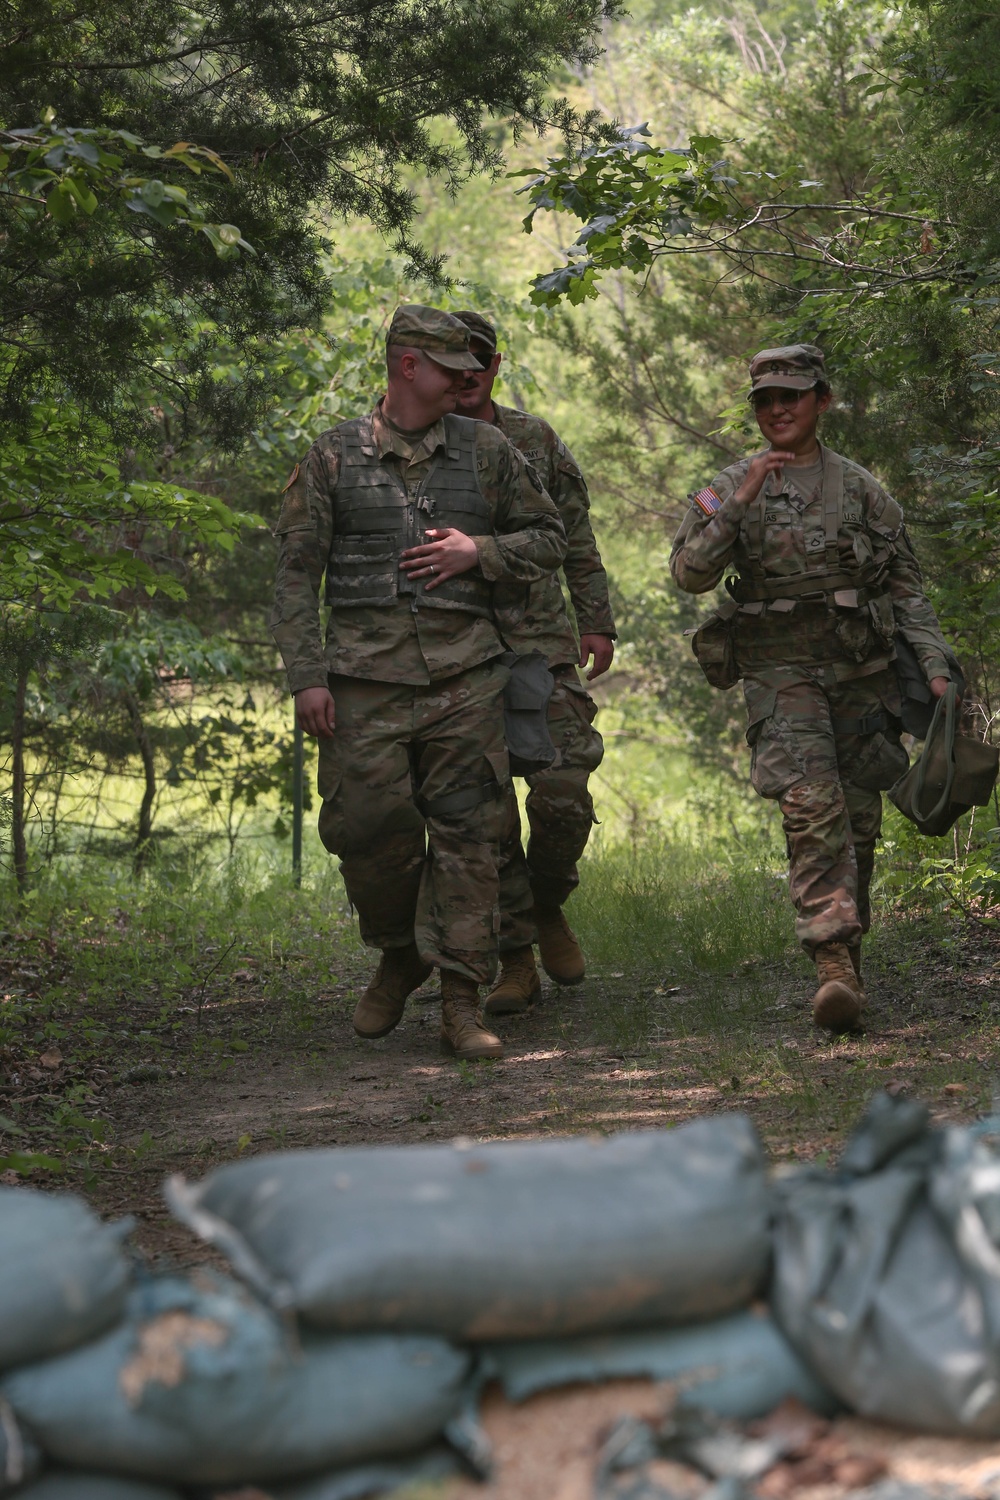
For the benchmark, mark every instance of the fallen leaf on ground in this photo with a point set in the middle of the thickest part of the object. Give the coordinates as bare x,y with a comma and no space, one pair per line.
52,1059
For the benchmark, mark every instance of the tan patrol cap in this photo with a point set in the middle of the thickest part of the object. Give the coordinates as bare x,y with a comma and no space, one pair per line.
481,331
796,367
442,337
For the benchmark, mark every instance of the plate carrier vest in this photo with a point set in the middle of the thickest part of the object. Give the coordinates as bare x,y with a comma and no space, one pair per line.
375,520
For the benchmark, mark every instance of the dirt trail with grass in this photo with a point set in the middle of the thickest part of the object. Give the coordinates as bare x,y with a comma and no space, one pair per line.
254,1052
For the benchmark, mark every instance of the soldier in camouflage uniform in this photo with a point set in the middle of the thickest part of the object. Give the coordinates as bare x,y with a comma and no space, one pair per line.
559,807
405,697
825,577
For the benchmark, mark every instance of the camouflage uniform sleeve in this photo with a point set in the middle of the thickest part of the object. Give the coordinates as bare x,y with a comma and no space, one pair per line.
528,540
585,573
304,533
704,544
915,617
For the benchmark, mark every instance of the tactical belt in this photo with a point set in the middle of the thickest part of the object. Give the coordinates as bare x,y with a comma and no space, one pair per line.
464,800
870,724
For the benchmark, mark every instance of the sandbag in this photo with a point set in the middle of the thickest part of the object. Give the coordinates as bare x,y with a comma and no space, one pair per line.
739,1367
511,1239
887,1273
63,1485
20,1458
64,1274
202,1384
363,1480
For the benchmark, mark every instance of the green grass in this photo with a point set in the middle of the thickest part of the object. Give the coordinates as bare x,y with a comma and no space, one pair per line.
676,909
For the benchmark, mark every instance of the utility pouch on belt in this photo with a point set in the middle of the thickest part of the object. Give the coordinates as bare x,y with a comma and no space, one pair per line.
526,712
953,773
714,645
918,700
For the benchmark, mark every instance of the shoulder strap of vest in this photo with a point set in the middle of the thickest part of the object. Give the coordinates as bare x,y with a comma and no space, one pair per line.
460,435
754,522
833,505
357,435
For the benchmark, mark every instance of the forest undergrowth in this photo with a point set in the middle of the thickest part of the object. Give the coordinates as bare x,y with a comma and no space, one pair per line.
202,1011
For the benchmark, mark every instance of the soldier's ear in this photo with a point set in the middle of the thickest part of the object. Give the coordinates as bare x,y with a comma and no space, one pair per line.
823,400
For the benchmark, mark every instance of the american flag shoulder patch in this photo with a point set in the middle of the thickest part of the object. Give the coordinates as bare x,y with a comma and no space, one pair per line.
707,500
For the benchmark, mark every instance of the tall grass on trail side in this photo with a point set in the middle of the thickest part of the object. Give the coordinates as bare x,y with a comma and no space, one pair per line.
672,907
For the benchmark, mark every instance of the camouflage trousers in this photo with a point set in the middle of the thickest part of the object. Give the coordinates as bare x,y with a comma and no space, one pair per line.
814,754
415,786
560,812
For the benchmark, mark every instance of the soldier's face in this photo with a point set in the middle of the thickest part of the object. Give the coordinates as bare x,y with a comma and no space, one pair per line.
478,386
788,418
434,387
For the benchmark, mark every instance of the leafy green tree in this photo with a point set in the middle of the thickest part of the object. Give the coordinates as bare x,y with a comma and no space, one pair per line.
314,113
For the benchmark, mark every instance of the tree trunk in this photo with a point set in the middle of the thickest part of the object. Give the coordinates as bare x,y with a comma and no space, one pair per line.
18,798
144,832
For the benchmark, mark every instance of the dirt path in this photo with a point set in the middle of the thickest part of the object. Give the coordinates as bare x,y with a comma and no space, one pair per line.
271,1062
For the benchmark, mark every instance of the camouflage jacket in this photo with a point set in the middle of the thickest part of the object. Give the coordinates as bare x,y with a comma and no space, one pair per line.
793,536
403,643
535,616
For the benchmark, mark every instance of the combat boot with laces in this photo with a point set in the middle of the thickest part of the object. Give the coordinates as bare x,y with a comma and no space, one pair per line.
462,1029
380,1009
561,955
518,985
838,1000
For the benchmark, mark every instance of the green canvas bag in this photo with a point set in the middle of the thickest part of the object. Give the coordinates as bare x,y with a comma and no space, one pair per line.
953,773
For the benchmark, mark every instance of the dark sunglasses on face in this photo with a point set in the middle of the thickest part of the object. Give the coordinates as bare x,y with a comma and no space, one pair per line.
764,400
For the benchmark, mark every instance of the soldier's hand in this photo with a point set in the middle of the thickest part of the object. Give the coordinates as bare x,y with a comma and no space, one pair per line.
449,553
601,648
939,686
771,462
315,712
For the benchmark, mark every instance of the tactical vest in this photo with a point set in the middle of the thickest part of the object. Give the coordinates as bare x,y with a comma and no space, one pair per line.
842,607
375,520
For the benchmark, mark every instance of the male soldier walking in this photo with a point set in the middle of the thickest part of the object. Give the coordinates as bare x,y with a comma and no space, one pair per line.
405,701
533,617
826,576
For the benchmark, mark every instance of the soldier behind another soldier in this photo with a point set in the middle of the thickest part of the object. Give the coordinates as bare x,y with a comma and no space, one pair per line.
413,514
825,578
532,616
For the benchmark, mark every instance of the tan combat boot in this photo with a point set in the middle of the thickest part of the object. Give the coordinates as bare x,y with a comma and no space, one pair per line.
518,986
560,952
380,1009
854,949
837,1002
462,1029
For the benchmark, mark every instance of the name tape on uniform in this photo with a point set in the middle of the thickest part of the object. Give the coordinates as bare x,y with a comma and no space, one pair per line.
707,500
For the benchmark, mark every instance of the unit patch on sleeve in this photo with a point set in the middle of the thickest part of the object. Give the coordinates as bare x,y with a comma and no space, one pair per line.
707,500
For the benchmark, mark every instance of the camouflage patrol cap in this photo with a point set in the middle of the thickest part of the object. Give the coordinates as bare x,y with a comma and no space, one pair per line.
441,337
795,367
481,331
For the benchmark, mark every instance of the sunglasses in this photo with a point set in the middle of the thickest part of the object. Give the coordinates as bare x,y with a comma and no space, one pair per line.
764,400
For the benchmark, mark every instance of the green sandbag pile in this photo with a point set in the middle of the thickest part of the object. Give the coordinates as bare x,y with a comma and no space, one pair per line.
341,1359
200,1383
194,1381
380,1287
